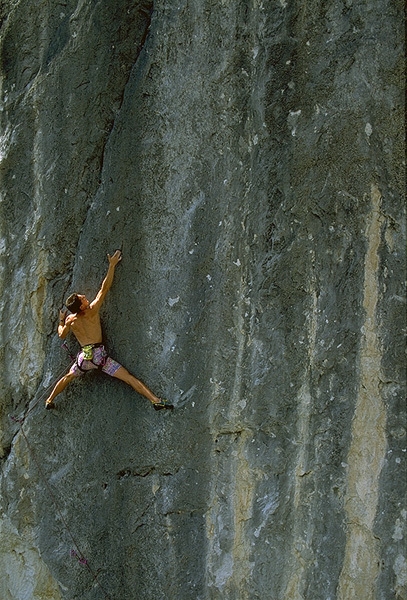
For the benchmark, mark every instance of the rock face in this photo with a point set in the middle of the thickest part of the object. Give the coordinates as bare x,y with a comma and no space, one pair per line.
248,159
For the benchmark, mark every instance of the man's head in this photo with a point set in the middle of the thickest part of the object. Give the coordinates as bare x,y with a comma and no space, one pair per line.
76,302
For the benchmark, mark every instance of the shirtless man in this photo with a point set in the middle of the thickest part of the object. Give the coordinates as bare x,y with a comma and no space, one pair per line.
84,322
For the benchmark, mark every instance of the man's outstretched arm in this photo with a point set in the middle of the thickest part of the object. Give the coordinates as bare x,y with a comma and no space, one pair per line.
108,280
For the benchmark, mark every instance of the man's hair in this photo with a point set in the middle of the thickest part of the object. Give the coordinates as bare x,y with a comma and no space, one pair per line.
73,303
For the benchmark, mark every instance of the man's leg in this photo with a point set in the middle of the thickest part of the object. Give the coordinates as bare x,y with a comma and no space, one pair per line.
136,384
60,386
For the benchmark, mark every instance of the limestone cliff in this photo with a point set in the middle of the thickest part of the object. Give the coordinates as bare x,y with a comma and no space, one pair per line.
248,158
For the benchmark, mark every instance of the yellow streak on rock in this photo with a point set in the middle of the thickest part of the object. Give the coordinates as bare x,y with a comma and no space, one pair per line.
243,508
231,567
368,445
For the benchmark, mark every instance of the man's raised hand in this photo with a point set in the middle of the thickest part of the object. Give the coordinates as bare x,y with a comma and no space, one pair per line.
116,258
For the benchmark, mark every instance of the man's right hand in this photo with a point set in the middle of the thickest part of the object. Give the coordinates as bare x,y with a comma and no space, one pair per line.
62,316
116,258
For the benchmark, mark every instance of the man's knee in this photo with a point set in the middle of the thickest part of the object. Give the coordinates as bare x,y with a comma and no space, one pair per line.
122,373
68,377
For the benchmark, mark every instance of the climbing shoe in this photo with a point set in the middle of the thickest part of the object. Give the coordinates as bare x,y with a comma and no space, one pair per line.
162,405
49,405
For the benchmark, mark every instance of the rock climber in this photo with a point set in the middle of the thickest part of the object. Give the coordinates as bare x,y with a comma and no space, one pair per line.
84,322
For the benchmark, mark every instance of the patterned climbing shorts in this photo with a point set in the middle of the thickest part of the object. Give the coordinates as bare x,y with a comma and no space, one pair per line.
100,360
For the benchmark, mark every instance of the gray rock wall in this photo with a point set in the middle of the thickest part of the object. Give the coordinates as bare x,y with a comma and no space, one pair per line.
248,158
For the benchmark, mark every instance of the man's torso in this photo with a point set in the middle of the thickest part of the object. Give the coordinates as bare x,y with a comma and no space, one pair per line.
86,327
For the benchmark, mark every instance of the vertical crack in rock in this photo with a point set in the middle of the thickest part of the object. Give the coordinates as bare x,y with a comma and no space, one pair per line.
146,10
367,451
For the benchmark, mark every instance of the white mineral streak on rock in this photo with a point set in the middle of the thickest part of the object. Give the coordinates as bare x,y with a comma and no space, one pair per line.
368,446
303,523
269,504
173,301
292,120
25,576
400,571
4,143
229,568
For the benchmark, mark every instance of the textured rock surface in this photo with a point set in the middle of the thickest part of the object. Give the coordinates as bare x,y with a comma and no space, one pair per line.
248,158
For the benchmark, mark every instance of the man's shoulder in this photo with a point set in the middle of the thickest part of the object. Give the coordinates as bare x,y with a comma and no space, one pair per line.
93,309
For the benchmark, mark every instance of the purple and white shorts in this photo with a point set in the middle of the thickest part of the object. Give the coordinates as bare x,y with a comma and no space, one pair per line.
100,360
